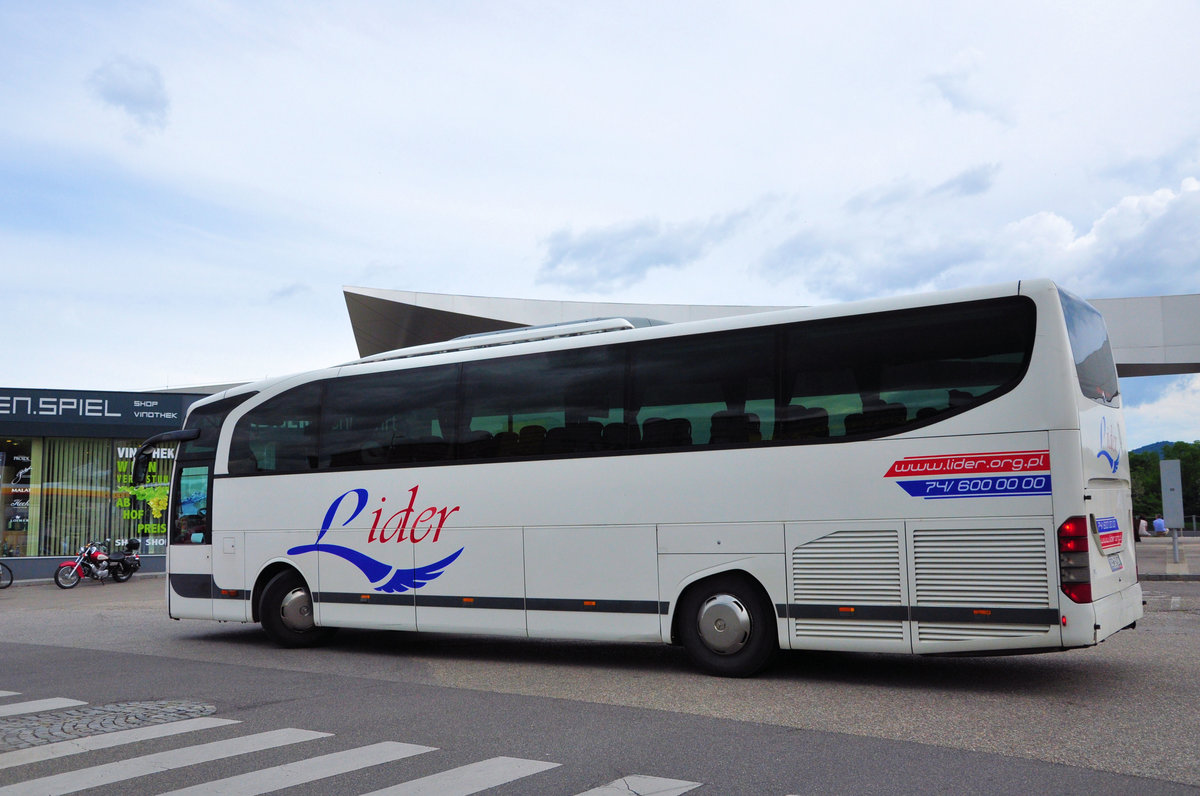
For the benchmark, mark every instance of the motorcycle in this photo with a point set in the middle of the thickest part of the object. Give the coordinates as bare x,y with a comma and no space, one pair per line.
94,561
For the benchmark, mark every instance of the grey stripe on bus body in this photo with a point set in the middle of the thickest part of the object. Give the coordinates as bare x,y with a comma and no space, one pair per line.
203,587
919,613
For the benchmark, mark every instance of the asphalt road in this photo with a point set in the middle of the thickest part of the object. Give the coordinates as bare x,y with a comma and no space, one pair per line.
1120,717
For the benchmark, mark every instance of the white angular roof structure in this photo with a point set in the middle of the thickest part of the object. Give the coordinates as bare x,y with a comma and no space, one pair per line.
1151,336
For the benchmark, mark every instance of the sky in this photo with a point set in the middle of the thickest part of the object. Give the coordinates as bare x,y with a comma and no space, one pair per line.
186,187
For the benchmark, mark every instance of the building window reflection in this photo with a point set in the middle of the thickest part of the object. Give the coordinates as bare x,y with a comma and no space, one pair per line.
19,477
56,494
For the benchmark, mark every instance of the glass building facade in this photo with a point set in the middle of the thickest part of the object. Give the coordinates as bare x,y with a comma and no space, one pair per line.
65,471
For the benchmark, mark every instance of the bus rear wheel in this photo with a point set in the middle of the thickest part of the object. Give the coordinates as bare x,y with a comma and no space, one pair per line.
727,626
286,613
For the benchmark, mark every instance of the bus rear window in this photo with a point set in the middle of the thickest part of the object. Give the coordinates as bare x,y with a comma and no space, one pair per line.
1094,364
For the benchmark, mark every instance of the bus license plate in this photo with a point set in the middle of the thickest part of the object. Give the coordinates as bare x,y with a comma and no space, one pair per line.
1114,561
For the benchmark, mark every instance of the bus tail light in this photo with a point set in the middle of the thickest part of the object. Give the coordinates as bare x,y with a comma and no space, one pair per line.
1075,569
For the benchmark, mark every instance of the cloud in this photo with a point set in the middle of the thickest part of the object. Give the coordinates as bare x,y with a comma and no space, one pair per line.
289,291
846,268
957,87
1168,167
135,87
1172,416
894,193
901,193
971,182
1147,244
1143,245
618,256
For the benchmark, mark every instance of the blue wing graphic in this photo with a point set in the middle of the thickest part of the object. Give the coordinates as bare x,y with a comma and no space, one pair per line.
404,579
1113,463
400,580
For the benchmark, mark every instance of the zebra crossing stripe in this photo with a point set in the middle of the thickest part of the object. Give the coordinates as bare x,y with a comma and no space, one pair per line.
52,751
9,693
465,780
39,706
269,780
72,781
641,785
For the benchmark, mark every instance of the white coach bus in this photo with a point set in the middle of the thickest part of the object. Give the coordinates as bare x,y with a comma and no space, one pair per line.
936,474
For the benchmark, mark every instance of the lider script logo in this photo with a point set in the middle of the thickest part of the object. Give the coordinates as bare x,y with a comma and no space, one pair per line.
1110,444
426,525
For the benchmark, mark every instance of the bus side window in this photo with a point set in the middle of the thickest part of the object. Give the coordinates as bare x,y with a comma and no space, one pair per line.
878,375
707,390
542,404
280,435
798,422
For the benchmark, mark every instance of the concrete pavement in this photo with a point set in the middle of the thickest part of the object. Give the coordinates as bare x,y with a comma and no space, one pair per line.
1156,558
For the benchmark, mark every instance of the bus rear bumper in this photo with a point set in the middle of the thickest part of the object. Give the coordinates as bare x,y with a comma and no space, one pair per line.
1118,611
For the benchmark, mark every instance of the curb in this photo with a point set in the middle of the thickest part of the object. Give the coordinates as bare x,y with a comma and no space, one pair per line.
50,581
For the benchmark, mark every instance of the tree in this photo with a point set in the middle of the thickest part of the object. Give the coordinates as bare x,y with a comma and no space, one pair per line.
1145,483
1146,480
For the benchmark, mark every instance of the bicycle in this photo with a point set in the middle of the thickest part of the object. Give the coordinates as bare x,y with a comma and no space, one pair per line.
6,576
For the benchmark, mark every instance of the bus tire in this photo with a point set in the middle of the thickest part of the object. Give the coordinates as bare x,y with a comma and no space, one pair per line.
286,613
727,626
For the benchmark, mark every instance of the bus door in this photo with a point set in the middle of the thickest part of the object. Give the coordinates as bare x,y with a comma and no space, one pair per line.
189,547
190,571
230,597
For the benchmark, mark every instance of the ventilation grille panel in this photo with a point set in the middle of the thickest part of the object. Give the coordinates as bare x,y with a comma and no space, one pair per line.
854,567
936,631
835,628
992,568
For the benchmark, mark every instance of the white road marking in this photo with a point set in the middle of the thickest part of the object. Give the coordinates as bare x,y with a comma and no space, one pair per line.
465,780
53,751
269,780
39,706
72,781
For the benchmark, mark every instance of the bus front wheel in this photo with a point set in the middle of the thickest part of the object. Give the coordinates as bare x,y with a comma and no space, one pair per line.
287,613
727,626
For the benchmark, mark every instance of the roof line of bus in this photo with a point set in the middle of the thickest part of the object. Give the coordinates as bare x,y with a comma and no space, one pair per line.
525,335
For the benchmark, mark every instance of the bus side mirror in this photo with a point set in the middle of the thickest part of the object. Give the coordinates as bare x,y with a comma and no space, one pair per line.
141,459
141,463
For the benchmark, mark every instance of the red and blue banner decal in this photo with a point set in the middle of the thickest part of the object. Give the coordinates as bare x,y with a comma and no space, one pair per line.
974,475
1109,529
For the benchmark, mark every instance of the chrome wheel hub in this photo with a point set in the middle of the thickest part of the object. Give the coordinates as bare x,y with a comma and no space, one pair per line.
724,624
296,610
